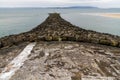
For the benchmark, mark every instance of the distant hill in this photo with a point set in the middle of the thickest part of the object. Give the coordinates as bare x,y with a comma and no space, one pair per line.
69,7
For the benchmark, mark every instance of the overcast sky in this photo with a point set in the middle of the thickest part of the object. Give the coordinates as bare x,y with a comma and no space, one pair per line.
59,3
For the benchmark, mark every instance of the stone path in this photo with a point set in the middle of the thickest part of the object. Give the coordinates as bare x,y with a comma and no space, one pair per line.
16,63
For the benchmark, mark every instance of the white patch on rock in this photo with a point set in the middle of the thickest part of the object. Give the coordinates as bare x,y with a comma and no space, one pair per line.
16,63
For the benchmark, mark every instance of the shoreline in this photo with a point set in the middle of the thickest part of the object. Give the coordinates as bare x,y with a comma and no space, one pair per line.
111,15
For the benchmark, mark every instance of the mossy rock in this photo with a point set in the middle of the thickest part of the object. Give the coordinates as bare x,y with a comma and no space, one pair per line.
114,43
64,38
57,38
77,37
48,38
77,76
94,40
105,42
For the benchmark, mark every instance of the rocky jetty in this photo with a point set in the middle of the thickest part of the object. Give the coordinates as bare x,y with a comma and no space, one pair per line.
55,28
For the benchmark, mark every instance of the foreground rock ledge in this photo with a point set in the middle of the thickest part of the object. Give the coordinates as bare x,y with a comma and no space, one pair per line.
55,28
70,61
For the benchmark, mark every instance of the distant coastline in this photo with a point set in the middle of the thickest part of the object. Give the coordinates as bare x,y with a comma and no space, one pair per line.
112,15
73,7
62,7
65,7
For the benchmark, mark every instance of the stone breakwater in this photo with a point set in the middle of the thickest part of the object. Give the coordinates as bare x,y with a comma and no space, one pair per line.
55,28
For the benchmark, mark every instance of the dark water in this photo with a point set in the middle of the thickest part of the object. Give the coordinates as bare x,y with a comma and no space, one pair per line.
13,21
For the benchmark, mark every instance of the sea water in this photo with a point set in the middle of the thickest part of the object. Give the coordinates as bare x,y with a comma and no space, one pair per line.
17,20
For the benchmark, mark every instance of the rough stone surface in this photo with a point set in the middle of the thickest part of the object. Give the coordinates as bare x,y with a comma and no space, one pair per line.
71,61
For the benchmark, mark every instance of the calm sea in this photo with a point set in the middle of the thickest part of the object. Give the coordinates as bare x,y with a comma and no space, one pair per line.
16,20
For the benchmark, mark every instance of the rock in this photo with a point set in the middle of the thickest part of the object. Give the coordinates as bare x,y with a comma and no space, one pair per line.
1,45
114,43
105,42
77,76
